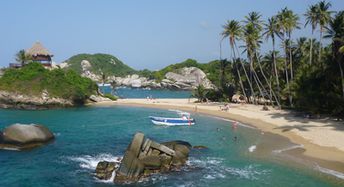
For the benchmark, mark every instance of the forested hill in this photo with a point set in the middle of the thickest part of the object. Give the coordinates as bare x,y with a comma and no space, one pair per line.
100,63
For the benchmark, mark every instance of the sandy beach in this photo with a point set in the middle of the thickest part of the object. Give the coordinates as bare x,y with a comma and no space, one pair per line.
322,139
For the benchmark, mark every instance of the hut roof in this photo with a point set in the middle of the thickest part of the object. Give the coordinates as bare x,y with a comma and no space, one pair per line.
38,49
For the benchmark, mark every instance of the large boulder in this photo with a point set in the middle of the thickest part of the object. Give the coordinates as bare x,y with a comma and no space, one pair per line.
25,136
189,78
105,170
144,157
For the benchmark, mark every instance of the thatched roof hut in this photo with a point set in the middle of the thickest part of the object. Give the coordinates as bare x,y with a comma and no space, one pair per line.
38,50
40,54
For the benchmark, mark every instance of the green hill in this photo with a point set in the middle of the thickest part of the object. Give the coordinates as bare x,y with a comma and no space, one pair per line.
100,63
33,79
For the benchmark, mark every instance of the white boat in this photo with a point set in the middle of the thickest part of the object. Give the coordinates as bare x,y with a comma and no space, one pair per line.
184,120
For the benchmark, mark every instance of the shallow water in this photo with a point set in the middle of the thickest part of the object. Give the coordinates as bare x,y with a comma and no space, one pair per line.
87,135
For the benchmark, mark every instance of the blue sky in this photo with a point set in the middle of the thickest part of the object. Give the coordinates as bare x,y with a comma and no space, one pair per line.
143,34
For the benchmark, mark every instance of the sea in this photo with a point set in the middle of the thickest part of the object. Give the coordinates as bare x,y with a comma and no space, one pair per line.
242,156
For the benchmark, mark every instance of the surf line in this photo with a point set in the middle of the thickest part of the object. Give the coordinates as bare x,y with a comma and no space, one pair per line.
288,148
233,121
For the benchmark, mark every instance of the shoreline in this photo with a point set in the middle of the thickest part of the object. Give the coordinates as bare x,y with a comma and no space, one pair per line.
322,141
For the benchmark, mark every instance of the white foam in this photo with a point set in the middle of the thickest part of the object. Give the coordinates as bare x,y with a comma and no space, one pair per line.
215,169
238,123
330,172
252,148
288,148
90,162
10,149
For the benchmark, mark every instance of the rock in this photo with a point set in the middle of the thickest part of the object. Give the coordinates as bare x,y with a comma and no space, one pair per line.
200,147
98,98
25,136
104,170
151,162
265,108
19,101
144,157
189,78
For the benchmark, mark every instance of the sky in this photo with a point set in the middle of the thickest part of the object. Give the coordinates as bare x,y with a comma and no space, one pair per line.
143,34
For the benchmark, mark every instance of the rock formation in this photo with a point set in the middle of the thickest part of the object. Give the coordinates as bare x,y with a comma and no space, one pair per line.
21,101
22,136
144,157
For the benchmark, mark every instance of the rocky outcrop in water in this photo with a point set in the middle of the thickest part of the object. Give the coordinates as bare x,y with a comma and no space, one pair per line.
21,101
22,136
144,157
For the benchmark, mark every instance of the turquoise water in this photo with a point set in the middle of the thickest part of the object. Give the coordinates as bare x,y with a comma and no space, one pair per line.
87,135
125,92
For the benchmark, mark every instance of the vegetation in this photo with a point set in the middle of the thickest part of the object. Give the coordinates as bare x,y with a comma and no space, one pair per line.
101,64
22,57
33,79
110,96
301,73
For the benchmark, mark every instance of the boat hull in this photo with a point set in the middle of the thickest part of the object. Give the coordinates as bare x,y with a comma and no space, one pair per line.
172,121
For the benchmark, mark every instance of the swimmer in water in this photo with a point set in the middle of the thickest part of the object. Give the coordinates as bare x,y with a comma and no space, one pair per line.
235,138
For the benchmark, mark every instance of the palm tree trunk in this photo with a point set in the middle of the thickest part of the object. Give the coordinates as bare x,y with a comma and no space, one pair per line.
311,49
342,77
272,93
320,45
240,81
238,72
275,67
291,59
286,70
248,80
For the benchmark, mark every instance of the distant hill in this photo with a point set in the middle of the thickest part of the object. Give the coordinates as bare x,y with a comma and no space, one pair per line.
100,63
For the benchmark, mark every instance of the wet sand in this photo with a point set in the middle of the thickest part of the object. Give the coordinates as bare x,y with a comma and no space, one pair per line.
320,142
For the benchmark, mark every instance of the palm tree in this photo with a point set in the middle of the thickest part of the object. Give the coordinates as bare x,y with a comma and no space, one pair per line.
324,18
233,31
272,30
200,93
288,22
312,19
22,57
336,32
252,36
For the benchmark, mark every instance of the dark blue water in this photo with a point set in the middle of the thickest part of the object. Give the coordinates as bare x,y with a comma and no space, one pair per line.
124,92
87,135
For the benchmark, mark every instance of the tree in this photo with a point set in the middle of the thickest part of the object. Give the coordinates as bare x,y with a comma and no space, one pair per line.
22,57
311,19
335,31
324,18
288,22
233,31
272,30
200,93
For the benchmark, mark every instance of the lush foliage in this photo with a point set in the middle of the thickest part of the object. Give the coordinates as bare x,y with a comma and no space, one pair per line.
110,96
102,64
297,73
33,79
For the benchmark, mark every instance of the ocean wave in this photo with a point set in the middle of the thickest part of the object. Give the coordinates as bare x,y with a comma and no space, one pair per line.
287,148
215,169
10,149
330,172
232,121
252,148
90,162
